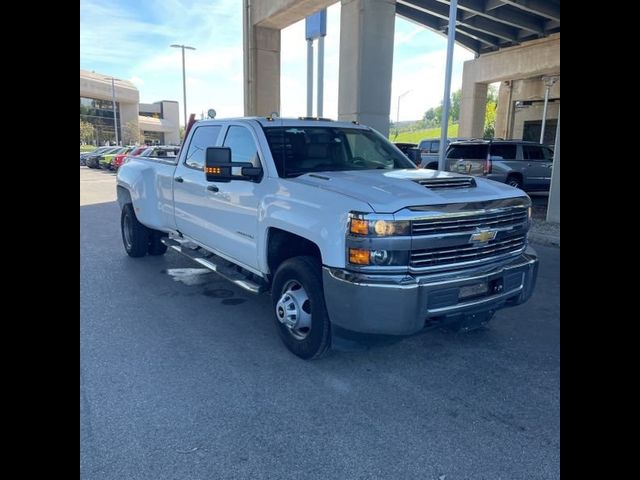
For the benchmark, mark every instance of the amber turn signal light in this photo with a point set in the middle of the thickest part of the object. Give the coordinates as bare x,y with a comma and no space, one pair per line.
358,257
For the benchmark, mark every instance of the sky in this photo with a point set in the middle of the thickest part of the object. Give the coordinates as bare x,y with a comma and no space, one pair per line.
129,39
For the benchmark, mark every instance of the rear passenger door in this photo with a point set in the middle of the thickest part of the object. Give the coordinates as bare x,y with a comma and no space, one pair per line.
538,163
191,199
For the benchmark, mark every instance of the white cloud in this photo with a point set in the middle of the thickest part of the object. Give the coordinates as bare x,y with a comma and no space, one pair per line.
116,40
137,81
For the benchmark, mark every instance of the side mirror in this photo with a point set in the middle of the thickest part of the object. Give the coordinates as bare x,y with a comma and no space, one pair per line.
220,168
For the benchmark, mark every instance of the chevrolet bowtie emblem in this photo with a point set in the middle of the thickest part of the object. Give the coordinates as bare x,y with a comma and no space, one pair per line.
483,236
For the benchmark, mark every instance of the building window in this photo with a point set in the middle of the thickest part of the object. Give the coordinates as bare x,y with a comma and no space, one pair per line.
152,138
99,113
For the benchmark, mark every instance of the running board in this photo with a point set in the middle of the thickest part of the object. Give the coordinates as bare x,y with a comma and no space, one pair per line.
215,264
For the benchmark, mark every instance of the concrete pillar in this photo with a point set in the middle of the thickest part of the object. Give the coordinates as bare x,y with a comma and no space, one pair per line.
503,110
472,107
261,67
366,62
553,208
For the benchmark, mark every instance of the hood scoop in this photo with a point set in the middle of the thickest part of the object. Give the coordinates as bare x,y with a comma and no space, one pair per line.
440,183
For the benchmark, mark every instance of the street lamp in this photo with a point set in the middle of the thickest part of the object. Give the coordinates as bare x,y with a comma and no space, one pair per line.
184,80
398,112
113,105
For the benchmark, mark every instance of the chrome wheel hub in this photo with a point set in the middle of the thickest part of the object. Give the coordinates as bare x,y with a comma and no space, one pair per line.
293,310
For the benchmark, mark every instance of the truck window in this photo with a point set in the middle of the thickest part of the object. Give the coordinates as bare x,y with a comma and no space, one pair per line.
203,137
243,147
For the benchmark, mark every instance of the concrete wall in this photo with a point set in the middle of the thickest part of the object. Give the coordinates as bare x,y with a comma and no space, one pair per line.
532,59
279,14
509,118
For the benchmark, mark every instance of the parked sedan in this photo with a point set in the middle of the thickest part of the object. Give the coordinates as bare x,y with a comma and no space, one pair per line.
97,151
107,159
119,159
93,160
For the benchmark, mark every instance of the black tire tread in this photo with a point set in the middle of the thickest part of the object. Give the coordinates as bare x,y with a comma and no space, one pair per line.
312,266
140,234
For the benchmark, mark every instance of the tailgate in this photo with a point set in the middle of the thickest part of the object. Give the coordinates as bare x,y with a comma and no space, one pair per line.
469,166
469,159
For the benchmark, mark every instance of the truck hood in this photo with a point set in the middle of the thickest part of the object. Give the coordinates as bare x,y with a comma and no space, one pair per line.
390,191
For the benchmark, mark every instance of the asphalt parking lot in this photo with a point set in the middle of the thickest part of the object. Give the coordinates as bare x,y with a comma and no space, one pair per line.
182,376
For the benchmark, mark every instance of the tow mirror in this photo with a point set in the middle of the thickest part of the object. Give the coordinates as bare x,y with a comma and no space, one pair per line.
220,168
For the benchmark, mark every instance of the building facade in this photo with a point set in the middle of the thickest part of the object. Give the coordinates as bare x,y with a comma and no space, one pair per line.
152,123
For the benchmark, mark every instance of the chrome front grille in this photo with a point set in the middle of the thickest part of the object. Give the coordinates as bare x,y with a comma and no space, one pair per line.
506,218
459,255
447,183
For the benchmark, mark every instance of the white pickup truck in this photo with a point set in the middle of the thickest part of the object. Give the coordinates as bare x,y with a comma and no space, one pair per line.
332,219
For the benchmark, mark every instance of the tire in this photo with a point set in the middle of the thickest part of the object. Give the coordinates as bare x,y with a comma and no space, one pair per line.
135,236
156,247
514,181
297,280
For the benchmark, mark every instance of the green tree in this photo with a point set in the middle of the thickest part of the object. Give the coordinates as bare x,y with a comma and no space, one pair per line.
86,132
131,133
456,99
490,112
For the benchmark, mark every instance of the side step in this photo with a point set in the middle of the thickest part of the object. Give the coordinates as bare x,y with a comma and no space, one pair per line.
215,263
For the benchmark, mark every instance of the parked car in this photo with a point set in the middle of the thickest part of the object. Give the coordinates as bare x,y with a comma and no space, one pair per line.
97,151
429,149
93,160
160,151
410,150
524,165
107,159
119,159
344,231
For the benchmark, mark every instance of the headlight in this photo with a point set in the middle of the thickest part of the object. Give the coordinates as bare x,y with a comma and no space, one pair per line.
359,225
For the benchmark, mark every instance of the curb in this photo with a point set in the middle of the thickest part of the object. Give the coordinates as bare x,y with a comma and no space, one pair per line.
545,239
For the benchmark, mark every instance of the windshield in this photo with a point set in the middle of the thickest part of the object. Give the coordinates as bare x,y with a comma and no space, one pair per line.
299,150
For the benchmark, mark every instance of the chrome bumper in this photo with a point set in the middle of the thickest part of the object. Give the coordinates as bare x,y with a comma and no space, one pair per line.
403,304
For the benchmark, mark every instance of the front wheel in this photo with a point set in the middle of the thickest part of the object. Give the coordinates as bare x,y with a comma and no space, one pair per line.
299,307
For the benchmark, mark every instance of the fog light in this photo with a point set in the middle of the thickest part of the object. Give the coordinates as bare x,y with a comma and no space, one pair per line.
380,257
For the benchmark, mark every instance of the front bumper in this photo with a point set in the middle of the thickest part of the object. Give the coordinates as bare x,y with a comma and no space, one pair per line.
404,304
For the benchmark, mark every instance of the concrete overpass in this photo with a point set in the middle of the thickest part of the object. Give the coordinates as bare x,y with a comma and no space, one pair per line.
516,42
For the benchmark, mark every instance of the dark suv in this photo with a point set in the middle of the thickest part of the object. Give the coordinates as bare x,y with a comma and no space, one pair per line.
524,165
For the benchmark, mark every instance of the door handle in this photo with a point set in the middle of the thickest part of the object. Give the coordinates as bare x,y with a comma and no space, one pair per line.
213,188
178,179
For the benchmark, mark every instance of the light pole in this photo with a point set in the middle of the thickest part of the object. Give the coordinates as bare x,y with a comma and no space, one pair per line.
548,83
398,112
184,81
113,104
